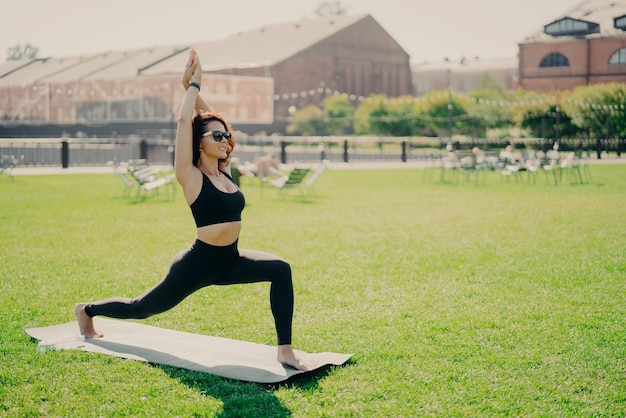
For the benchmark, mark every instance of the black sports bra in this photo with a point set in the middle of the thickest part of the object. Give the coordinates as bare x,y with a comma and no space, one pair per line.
213,206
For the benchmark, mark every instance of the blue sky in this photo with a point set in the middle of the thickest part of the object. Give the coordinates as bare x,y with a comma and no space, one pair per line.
429,30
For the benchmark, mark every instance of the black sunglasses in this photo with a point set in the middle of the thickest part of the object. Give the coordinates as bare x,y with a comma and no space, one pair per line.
218,135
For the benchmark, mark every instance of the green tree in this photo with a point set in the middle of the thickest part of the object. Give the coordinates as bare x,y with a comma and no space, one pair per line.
404,116
400,116
598,109
533,113
368,116
445,111
543,116
338,114
19,52
307,121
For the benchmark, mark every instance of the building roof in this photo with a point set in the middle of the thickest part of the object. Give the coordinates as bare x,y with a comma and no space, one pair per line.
594,12
103,66
263,46
469,65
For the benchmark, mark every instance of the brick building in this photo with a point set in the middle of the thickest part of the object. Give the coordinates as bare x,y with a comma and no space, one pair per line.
587,45
254,78
584,46
311,59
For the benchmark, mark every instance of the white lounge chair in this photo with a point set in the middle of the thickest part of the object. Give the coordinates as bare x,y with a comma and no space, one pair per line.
315,175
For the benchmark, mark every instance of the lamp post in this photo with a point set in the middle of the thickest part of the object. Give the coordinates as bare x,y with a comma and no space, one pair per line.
450,108
10,100
557,136
608,135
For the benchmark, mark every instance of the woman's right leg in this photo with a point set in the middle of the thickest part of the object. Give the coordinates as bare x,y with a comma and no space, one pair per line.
186,274
175,286
258,266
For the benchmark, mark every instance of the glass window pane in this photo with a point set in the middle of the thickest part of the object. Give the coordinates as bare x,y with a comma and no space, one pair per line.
554,60
618,57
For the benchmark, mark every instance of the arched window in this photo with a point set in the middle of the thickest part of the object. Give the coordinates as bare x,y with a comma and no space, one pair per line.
554,60
618,57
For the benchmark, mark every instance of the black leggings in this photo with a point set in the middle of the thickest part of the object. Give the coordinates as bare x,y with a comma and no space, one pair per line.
204,265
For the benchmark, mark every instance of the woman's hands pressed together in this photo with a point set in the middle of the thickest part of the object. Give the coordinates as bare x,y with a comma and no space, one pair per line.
193,70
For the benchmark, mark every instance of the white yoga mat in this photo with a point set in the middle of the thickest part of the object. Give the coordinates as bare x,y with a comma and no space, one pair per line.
224,357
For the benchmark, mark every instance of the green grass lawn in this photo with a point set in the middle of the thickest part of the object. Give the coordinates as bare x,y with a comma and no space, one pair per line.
456,298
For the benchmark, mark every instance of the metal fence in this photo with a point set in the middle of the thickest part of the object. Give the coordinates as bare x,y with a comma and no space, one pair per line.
83,152
66,152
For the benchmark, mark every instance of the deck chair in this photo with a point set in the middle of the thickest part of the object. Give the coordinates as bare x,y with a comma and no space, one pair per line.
143,174
449,164
469,165
533,165
158,182
7,164
292,181
574,168
122,173
315,175
551,164
146,179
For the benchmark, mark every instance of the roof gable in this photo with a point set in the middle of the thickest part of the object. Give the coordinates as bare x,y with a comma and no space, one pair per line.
259,47
571,27
589,18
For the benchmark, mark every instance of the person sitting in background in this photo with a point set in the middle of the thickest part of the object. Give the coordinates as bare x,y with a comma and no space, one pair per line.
267,166
510,156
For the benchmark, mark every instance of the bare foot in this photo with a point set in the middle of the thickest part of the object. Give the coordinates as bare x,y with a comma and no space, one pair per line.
287,356
85,322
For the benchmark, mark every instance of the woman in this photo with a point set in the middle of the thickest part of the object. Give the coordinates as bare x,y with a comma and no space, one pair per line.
203,147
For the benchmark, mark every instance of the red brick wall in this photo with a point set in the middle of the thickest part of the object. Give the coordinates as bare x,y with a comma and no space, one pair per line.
360,60
601,51
588,58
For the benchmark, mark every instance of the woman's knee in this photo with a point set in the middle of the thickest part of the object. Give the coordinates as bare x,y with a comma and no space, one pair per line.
283,267
282,271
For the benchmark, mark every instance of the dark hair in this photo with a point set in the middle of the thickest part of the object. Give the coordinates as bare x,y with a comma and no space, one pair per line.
199,128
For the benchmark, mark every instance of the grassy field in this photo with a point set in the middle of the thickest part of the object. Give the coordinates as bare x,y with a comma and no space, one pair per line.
456,298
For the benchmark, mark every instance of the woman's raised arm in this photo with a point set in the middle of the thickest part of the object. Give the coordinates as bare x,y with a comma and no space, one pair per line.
183,157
